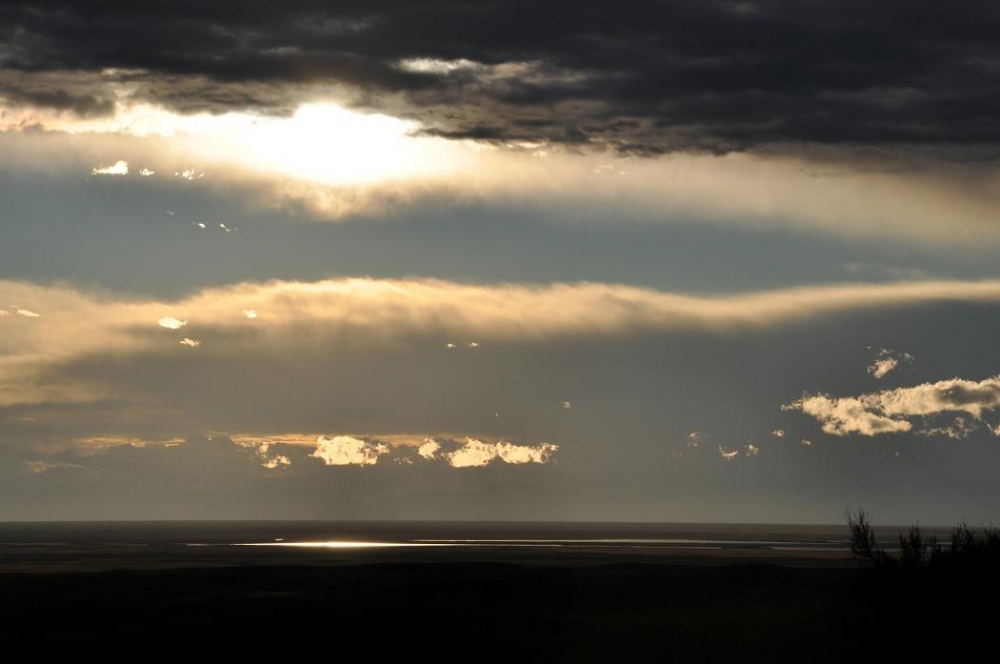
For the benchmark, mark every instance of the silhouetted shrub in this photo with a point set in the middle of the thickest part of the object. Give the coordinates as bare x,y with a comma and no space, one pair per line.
967,548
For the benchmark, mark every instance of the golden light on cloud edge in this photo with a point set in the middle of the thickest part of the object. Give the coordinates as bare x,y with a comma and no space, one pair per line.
78,325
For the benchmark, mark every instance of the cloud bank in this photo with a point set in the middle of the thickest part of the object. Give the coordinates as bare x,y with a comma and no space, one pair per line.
78,325
644,78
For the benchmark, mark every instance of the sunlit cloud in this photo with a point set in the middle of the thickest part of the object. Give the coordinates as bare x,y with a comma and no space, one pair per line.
171,323
326,144
190,343
145,172
888,361
778,433
728,454
518,454
696,438
120,167
348,451
250,313
805,442
429,449
28,313
960,428
567,405
336,162
751,449
435,66
891,411
279,461
474,453
375,312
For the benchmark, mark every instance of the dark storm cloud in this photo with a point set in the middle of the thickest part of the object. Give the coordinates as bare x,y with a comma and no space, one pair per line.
640,77
81,105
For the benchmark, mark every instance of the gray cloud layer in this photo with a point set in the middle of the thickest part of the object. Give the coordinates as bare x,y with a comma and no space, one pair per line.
640,77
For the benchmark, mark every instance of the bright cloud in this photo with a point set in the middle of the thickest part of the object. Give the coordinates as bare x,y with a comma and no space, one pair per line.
189,174
751,449
475,453
518,454
28,313
429,449
250,313
696,438
888,361
118,168
171,323
778,433
435,66
881,368
891,411
728,454
279,461
375,312
190,343
348,451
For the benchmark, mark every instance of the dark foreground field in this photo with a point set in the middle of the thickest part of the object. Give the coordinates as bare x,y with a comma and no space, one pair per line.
502,611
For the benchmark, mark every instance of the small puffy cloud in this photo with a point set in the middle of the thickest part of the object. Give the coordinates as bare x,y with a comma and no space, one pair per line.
696,438
250,313
146,173
727,454
880,368
888,411
888,361
805,443
778,433
190,343
436,66
189,174
171,323
751,449
473,344
201,225
28,313
518,454
450,345
348,451
475,453
429,449
567,405
120,167
279,461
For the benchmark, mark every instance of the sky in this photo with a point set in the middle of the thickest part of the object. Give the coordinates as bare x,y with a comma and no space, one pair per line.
677,261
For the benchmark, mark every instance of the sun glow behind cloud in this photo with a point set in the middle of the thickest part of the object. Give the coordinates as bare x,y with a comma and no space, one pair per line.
327,144
322,143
